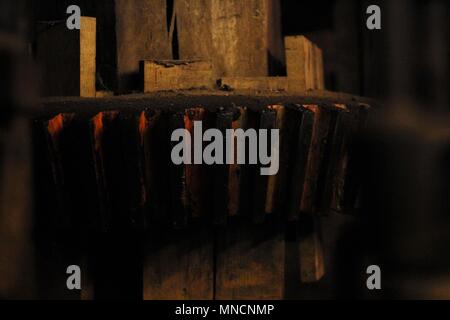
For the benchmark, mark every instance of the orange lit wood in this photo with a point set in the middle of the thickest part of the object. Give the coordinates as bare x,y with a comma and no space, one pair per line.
320,135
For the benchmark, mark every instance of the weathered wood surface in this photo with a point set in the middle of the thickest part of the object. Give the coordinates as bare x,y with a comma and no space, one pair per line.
235,178
250,262
273,181
241,38
330,179
304,62
179,265
68,58
177,75
353,179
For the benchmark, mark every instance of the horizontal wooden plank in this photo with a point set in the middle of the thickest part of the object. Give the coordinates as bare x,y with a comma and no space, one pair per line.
304,62
177,75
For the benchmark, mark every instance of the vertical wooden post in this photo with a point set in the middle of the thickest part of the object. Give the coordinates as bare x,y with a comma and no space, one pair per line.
178,265
311,249
241,38
68,58
304,64
129,32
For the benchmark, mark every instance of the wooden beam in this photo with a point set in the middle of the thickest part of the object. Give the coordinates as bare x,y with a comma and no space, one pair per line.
235,178
304,64
68,59
177,75
221,172
312,267
129,32
178,265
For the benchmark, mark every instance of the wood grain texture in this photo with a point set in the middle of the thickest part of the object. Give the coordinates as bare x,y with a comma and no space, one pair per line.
250,262
194,29
176,75
129,32
304,64
273,182
319,79
179,203
68,59
331,173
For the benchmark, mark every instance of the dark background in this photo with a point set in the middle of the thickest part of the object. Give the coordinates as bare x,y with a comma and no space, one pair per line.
408,59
